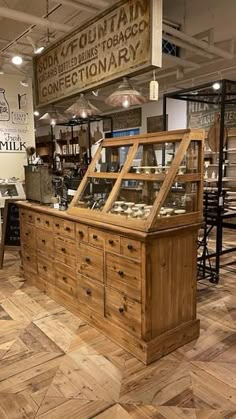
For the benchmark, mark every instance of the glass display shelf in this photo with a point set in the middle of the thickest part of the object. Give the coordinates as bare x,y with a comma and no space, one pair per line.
143,181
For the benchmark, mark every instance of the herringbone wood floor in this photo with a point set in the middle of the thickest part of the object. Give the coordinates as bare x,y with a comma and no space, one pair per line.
54,366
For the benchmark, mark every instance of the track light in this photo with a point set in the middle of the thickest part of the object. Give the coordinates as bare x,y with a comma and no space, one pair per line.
24,83
38,49
17,60
36,113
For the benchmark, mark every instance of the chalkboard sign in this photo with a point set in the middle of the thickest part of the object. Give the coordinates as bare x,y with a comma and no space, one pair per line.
10,229
12,234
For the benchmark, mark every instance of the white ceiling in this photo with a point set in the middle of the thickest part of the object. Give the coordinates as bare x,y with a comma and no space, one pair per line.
210,20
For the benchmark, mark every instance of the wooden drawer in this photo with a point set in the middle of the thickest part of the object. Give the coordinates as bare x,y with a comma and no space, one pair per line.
124,275
81,232
90,262
96,238
123,311
44,221
46,270
45,242
112,243
29,259
65,279
90,296
65,251
130,248
28,235
64,227
27,216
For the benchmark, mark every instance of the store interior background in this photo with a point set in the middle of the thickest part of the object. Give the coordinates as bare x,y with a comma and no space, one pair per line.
214,22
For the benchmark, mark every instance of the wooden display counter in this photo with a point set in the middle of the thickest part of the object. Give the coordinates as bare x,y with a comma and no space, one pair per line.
135,285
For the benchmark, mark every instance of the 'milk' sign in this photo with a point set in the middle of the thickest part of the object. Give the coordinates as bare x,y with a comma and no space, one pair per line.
124,40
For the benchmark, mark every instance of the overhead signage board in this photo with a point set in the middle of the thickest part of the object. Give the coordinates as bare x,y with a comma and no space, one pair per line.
124,40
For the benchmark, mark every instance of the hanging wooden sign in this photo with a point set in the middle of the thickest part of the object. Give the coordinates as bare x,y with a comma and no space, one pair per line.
124,40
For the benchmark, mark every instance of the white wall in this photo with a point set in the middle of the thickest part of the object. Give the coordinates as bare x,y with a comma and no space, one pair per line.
176,111
14,133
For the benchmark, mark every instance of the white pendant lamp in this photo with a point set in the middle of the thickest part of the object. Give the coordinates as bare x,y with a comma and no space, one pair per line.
125,95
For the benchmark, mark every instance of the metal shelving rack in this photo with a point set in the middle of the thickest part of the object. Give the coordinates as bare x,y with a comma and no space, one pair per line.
210,262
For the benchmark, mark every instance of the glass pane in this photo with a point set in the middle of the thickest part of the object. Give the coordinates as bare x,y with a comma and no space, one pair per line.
135,198
95,193
112,159
190,162
153,158
181,199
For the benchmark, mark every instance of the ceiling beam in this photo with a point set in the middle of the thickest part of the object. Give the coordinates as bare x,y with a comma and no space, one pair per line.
19,16
196,42
77,6
96,3
176,41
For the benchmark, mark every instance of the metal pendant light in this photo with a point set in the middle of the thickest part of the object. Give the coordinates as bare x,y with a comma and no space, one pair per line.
54,117
82,108
126,95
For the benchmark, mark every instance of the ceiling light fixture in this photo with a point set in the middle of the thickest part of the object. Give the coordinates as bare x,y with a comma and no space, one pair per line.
37,48
82,108
24,83
17,60
216,85
125,95
54,117
36,113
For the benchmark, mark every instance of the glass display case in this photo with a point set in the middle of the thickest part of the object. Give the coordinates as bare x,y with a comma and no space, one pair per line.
145,182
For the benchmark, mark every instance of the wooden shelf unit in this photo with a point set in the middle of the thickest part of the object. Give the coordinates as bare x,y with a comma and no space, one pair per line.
134,280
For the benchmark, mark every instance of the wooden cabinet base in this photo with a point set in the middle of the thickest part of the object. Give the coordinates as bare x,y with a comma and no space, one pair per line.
137,289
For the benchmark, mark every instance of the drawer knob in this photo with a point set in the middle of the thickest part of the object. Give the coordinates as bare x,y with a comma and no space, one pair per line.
130,247
81,233
87,260
121,309
30,217
43,241
44,268
95,236
57,225
47,222
64,278
27,257
27,234
111,242
121,273
38,219
67,228
88,292
63,249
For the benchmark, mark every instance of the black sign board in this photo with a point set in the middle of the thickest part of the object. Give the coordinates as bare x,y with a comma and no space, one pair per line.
11,228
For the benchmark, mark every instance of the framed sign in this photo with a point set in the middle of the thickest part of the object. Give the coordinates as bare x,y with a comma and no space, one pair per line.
125,39
156,123
124,120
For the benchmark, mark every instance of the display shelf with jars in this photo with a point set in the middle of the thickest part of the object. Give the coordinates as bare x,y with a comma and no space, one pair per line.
124,256
144,181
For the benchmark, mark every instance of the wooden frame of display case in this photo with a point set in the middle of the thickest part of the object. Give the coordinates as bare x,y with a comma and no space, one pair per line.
152,223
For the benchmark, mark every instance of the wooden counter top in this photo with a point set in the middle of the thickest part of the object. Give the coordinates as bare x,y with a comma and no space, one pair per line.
143,236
